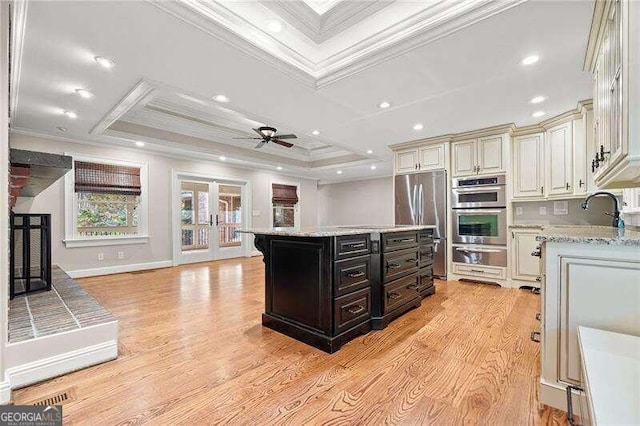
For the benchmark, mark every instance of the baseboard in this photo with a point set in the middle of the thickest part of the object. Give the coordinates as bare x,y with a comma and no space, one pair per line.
5,392
54,366
119,269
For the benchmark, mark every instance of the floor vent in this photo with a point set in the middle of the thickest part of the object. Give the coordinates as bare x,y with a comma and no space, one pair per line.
60,398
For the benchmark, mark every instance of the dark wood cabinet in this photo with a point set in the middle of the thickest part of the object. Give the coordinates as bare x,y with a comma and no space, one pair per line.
325,291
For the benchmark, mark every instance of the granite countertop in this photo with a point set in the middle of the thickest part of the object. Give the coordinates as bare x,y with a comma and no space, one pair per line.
527,226
585,234
333,231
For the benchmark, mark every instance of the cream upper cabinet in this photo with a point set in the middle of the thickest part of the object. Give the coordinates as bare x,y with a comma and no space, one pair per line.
582,142
613,56
559,160
422,159
407,161
528,167
432,157
523,265
490,154
464,158
478,156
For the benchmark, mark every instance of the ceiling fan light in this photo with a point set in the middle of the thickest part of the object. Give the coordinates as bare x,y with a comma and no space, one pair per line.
267,132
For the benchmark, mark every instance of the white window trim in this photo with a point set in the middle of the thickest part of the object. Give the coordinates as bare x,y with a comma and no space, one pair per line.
298,207
71,238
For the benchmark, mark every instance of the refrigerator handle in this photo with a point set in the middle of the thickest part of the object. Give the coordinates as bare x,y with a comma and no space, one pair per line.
421,204
414,207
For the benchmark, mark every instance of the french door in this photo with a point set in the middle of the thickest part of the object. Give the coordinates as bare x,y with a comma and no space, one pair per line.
210,218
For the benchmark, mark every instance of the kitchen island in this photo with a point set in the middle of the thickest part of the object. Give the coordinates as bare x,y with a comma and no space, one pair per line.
326,285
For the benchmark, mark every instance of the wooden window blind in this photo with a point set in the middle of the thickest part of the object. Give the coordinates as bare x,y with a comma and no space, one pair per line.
107,178
284,193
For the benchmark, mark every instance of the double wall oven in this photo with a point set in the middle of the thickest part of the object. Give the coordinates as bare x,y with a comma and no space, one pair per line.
480,220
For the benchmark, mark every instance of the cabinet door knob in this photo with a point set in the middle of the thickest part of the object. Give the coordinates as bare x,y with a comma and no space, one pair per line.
542,189
567,186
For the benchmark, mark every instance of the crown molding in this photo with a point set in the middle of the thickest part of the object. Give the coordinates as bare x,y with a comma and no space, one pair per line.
142,92
432,23
203,17
18,30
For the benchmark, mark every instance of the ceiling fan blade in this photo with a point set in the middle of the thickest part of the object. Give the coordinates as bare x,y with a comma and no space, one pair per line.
258,132
287,136
248,138
261,144
283,143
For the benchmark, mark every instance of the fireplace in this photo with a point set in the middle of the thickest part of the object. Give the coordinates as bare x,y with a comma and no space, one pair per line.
30,259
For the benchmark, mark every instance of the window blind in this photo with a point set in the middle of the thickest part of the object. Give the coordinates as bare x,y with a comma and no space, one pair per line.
284,193
107,178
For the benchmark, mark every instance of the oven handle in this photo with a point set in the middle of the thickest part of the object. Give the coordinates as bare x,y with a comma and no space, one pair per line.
465,211
478,250
479,189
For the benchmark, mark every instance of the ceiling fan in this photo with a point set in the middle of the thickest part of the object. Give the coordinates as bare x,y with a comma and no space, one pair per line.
268,134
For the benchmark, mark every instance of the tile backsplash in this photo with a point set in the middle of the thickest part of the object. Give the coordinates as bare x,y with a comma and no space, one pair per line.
532,212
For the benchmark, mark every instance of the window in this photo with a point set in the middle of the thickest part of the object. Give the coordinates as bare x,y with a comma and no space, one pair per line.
105,202
285,200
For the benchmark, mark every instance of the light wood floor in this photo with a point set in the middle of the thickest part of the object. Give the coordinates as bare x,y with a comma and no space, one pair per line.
193,351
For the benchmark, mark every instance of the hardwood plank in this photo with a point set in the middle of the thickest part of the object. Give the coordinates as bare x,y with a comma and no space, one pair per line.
193,351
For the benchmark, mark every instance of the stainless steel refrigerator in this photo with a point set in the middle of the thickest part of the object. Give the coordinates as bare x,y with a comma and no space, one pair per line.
421,199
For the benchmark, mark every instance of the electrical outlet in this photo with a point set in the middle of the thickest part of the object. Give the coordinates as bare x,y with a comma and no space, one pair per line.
100,256
120,255
519,211
542,210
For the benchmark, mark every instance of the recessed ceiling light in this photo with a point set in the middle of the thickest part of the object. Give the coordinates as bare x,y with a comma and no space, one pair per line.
384,104
222,158
221,98
315,132
339,172
279,167
139,143
530,60
62,129
537,99
84,93
373,167
275,26
104,62
418,126
70,114
538,114
369,151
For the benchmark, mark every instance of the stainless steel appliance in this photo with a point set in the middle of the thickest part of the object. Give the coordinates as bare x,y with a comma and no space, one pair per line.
480,226
421,199
478,192
494,256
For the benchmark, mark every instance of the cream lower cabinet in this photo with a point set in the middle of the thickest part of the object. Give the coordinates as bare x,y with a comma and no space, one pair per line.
422,159
524,266
591,285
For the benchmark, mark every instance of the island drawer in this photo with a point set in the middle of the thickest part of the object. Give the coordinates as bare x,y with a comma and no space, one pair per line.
425,252
399,264
425,236
400,292
351,310
352,245
351,274
425,278
399,240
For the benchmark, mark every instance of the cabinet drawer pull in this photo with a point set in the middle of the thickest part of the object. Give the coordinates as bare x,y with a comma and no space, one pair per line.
393,265
355,246
538,279
479,271
394,295
535,336
355,274
355,309
536,253
413,287
410,260
402,240
539,316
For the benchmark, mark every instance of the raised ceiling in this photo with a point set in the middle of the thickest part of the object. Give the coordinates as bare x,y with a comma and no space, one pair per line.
452,66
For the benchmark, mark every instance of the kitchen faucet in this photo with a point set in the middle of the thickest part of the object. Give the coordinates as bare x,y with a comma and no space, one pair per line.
616,212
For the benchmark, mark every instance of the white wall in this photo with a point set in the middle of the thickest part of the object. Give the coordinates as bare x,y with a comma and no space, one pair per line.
364,202
159,248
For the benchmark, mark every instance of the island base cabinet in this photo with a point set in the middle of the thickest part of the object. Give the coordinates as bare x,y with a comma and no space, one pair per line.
591,285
